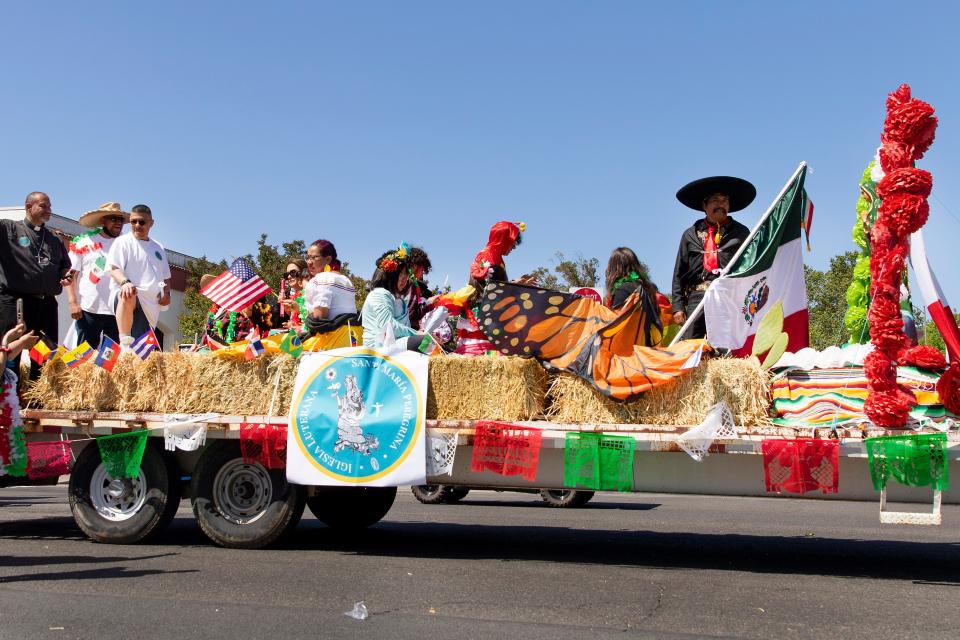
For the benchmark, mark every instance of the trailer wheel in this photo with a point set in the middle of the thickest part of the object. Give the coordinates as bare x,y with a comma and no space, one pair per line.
122,510
351,507
565,498
438,493
241,505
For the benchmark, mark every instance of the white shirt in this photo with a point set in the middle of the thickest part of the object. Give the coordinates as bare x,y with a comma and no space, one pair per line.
331,290
89,258
144,263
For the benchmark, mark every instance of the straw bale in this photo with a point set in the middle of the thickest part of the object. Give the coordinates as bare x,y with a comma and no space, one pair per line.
460,387
741,383
485,387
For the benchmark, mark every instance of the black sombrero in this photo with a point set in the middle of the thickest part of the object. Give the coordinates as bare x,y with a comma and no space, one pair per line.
740,192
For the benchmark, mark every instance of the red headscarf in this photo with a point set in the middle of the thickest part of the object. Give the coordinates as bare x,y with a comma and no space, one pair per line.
503,236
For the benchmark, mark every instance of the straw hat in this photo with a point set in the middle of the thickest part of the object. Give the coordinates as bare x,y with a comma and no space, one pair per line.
206,279
94,219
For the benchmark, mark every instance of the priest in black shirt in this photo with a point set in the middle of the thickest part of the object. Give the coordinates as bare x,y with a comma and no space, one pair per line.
707,246
34,266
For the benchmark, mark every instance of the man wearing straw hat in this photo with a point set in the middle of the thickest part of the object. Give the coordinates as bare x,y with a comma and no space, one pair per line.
707,246
140,278
89,291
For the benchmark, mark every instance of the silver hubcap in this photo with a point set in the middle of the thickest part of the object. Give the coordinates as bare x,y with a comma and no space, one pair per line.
117,499
241,491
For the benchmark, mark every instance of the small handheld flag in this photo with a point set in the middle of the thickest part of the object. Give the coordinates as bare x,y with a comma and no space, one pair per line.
41,351
254,350
291,344
107,353
81,354
236,288
145,344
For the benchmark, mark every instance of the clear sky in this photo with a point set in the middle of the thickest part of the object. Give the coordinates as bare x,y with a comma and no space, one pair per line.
373,123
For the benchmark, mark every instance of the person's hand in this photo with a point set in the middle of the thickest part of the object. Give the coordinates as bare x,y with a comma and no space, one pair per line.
526,279
23,342
14,333
163,298
75,311
679,317
128,291
67,279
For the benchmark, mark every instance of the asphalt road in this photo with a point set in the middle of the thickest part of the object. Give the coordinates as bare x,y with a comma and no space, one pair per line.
499,565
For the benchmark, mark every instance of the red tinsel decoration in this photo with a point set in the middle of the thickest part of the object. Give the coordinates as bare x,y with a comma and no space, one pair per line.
907,133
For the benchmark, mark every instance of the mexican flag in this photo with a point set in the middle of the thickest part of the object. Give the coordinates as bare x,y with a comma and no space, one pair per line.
766,279
936,304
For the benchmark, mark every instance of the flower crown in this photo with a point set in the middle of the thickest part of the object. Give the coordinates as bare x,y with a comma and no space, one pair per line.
392,261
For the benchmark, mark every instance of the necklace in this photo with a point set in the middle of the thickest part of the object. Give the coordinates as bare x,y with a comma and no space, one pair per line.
39,242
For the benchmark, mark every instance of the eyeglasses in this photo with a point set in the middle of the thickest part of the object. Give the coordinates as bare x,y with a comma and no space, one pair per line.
139,223
113,218
312,258
290,275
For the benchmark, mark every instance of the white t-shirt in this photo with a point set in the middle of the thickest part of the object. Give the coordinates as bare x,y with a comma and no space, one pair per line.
144,262
89,258
332,290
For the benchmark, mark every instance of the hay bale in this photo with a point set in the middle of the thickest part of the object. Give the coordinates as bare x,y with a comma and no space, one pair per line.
741,383
485,387
460,387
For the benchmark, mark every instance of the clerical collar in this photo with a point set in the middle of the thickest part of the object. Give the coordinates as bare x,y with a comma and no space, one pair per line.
32,226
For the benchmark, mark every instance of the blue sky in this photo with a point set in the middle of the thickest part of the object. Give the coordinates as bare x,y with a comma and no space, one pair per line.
374,123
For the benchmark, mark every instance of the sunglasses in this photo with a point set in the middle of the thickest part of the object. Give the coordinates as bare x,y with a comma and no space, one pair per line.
139,223
113,218
290,275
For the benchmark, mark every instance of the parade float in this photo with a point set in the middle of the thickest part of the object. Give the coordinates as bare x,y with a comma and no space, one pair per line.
258,431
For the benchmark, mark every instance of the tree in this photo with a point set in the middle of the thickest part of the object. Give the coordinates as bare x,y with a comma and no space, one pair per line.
826,299
568,272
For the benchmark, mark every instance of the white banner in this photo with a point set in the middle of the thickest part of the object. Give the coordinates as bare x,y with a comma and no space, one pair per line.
358,417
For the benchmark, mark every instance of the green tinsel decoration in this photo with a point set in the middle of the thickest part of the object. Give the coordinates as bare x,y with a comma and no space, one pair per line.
858,293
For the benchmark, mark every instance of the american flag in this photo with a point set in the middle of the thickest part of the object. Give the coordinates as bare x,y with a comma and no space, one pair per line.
236,288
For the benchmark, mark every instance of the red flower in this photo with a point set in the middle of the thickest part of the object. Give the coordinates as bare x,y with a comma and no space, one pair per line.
887,408
905,180
389,265
894,155
948,388
904,212
910,122
923,356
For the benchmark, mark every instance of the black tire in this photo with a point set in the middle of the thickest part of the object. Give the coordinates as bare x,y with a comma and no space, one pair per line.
134,509
351,508
565,498
239,505
434,493
457,494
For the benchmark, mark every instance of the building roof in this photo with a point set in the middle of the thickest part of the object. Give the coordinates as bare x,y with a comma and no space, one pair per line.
70,227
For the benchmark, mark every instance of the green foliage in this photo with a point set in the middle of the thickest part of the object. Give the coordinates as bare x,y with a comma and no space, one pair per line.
569,272
826,299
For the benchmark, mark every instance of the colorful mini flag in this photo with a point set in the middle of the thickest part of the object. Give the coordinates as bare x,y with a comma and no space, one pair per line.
80,354
598,461
236,288
916,460
264,443
254,350
801,465
507,449
291,344
41,351
145,344
107,353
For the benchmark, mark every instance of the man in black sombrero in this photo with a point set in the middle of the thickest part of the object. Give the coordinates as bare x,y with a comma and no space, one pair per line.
707,246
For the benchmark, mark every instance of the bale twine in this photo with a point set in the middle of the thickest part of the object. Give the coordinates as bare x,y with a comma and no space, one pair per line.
741,383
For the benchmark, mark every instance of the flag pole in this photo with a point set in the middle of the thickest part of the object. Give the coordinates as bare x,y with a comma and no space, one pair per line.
743,247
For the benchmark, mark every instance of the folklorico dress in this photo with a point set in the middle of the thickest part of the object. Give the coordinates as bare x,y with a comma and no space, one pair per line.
704,250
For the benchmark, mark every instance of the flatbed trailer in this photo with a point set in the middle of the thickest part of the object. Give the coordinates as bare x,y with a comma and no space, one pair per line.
244,505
